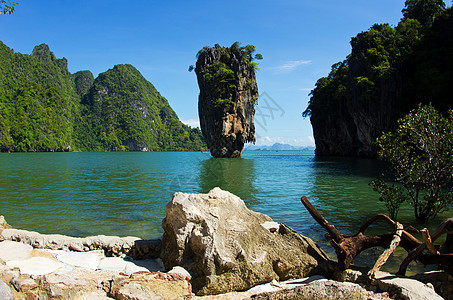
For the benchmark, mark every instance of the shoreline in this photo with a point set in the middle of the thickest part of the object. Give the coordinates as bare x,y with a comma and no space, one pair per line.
61,267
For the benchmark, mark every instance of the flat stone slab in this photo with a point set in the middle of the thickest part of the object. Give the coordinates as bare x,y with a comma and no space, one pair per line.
45,261
36,265
149,265
10,250
87,260
112,264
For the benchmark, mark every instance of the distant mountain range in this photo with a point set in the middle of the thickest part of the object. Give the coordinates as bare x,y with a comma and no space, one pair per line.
43,107
277,147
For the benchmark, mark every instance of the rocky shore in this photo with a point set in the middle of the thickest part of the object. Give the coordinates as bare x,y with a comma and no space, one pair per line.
213,248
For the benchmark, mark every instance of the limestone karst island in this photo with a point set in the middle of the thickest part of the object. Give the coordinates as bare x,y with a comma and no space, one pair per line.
124,176
228,94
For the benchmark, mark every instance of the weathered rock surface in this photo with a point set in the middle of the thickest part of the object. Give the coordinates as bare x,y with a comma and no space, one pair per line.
150,286
42,52
225,246
322,290
226,102
89,284
425,286
364,95
405,288
28,273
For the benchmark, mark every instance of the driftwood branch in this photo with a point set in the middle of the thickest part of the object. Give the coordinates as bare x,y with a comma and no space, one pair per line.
348,247
428,241
417,253
384,256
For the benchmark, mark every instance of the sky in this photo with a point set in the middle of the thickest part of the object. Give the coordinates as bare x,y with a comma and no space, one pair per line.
299,39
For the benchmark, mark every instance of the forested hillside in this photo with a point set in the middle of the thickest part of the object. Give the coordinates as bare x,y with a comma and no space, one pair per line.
390,70
43,107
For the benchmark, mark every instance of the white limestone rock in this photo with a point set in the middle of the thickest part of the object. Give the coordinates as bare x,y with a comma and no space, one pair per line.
225,248
10,250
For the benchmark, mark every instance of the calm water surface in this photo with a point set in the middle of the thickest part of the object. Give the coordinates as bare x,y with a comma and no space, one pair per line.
123,194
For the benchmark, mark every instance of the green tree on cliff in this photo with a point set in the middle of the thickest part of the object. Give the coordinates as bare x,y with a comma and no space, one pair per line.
420,155
7,7
222,77
424,11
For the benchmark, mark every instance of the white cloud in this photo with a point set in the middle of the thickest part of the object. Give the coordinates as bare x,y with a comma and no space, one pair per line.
192,122
292,64
311,139
306,89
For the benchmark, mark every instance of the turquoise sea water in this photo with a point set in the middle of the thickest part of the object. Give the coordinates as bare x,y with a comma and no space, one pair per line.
123,194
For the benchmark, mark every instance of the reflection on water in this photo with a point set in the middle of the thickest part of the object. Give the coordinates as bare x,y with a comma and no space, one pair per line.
341,193
236,175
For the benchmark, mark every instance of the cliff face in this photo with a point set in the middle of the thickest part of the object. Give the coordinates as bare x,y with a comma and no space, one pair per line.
228,93
359,111
389,72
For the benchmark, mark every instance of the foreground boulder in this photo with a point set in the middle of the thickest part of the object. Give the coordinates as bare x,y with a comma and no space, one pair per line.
227,247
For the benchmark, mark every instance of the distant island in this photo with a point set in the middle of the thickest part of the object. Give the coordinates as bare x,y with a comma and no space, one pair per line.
228,95
43,107
278,147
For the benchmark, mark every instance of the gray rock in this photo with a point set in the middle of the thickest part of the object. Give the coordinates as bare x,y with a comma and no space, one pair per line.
150,286
440,280
28,284
87,260
181,271
224,246
3,223
5,291
322,290
405,288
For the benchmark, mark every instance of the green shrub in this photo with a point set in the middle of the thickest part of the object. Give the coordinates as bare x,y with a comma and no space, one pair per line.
420,155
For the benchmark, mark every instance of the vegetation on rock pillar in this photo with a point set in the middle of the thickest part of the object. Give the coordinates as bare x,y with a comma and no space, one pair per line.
420,155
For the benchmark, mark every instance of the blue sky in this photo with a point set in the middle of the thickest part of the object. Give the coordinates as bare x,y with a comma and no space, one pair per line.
299,40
